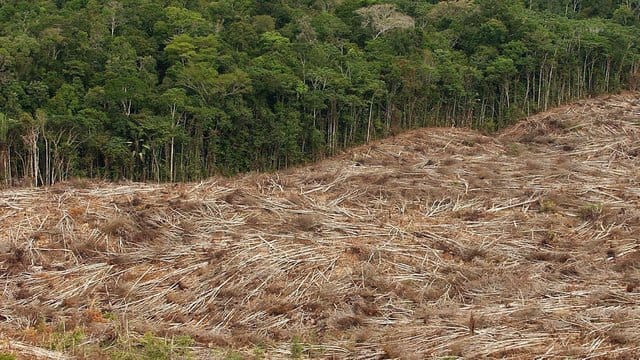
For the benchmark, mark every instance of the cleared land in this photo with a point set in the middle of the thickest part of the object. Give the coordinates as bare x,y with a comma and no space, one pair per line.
433,243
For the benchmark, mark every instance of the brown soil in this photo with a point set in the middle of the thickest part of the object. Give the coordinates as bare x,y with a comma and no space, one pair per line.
436,242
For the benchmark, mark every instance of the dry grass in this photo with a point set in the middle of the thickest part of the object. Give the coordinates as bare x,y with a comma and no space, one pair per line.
439,242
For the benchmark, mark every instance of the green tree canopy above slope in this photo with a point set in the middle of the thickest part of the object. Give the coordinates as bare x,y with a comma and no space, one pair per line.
180,90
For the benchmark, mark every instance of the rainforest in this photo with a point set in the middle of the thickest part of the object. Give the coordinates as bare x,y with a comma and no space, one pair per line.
158,90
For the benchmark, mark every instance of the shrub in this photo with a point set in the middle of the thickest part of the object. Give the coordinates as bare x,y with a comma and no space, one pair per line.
234,356
548,206
258,352
513,149
297,348
590,212
151,347
155,347
61,341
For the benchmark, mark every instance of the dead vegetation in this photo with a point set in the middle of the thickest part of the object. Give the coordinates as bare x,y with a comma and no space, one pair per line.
439,242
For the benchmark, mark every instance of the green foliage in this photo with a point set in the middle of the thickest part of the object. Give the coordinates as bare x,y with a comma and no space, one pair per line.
548,206
151,347
234,356
258,352
63,340
180,90
109,316
297,348
155,348
6,356
625,15
182,345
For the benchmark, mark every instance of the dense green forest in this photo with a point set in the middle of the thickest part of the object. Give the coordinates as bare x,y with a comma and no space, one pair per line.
162,90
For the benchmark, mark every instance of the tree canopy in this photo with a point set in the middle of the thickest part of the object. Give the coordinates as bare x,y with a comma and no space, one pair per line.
180,90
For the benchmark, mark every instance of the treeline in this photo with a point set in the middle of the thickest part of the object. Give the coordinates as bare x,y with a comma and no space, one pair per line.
160,90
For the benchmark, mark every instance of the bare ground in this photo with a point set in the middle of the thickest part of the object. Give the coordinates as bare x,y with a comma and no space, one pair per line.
438,242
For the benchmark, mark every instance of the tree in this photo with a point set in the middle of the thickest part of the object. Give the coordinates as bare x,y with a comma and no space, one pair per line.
176,99
184,21
123,84
383,18
7,126
625,15
113,12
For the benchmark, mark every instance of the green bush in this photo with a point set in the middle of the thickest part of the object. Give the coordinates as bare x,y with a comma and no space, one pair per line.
62,340
297,348
151,347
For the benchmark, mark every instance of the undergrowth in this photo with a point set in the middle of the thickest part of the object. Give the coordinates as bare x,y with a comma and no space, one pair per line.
151,347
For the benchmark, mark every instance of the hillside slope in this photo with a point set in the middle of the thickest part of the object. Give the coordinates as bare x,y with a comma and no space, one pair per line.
436,242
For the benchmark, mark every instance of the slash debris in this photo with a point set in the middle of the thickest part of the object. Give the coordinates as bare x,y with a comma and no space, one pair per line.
437,242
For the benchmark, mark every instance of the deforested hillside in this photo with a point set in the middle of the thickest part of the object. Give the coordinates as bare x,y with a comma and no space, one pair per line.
438,242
